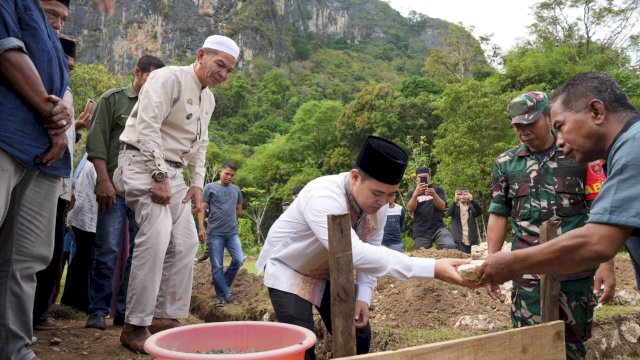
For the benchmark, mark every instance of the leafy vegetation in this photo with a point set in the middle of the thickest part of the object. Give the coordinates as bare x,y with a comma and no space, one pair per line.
288,120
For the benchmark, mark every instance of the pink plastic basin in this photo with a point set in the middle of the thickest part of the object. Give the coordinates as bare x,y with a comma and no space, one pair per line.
281,341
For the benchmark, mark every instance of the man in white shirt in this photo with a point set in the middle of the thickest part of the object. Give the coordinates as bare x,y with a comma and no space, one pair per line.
295,256
166,130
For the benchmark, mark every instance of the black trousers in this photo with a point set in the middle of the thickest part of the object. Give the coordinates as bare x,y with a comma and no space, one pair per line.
76,288
292,309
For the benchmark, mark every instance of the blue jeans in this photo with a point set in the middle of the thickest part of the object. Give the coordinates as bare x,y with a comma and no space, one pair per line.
396,247
633,247
106,248
222,280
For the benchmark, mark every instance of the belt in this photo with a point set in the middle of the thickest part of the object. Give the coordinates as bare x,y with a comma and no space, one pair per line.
125,146
173,164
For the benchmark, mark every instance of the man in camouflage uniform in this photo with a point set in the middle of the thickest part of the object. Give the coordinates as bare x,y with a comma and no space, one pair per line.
531,183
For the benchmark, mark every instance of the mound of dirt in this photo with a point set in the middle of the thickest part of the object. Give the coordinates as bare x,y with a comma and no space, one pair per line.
433,304
249,298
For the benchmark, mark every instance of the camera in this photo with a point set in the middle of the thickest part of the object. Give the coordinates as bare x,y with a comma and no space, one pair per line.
424,179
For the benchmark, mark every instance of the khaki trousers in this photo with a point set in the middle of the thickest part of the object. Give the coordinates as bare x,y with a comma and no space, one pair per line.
28,200
162,262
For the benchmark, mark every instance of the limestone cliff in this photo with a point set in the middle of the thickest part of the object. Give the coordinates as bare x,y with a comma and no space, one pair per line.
279,30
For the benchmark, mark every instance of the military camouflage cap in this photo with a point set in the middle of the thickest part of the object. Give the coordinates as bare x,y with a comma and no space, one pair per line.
526,108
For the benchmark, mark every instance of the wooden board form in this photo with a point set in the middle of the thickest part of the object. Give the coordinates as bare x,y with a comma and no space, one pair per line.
539,342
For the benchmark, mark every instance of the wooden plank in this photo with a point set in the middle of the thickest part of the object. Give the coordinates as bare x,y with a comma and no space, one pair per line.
549,284
342,285
539,342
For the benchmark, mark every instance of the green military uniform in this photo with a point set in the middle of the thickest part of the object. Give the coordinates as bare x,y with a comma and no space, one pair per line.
532,188
111,114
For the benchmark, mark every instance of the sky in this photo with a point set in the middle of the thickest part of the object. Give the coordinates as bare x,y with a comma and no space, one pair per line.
507,20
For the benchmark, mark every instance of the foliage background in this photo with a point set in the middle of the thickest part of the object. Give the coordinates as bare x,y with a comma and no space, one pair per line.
287,122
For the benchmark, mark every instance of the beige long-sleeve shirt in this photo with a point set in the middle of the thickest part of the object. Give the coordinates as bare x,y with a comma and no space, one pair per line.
170,121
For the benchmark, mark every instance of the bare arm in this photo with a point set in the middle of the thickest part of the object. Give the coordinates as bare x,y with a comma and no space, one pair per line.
238,210
201,215
570,252
202,233
105,192
496,231
413,202
21,74
440,204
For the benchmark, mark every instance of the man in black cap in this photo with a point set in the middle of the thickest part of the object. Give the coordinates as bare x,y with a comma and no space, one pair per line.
56,12
427,204
296,254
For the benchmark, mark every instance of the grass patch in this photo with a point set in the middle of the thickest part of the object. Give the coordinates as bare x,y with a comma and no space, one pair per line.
431,336
609,311
399,338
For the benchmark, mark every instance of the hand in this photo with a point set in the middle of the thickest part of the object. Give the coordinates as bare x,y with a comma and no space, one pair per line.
161,192
605,282
69,205
58,118
447,272
493,291
56,152
105,194
431,192
194,193
202,234
83,121
497,269
420,189
362,314
106,6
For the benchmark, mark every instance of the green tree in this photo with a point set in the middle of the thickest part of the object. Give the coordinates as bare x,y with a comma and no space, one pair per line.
474,131
594,26
402,113
90,81
256,205
457,58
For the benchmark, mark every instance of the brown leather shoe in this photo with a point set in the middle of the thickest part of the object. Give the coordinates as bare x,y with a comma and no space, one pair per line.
158,325
133,337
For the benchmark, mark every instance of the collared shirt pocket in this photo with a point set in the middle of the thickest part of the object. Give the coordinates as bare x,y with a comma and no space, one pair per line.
521,200
570,196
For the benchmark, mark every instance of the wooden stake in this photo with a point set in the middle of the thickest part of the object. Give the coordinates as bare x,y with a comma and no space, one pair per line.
549,284
342,285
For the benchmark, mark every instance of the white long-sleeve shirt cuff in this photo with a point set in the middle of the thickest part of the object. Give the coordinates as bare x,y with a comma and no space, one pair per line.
364,294
423,268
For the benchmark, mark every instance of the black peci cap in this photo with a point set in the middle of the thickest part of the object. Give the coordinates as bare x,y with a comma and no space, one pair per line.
69,47
64,2
383,160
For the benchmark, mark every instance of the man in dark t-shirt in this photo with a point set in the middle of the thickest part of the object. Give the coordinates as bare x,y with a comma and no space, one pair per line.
427,204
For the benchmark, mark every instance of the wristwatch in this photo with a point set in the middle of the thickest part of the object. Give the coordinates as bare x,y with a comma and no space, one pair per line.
159,176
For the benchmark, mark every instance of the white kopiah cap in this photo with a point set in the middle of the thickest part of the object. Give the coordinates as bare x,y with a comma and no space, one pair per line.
222,43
